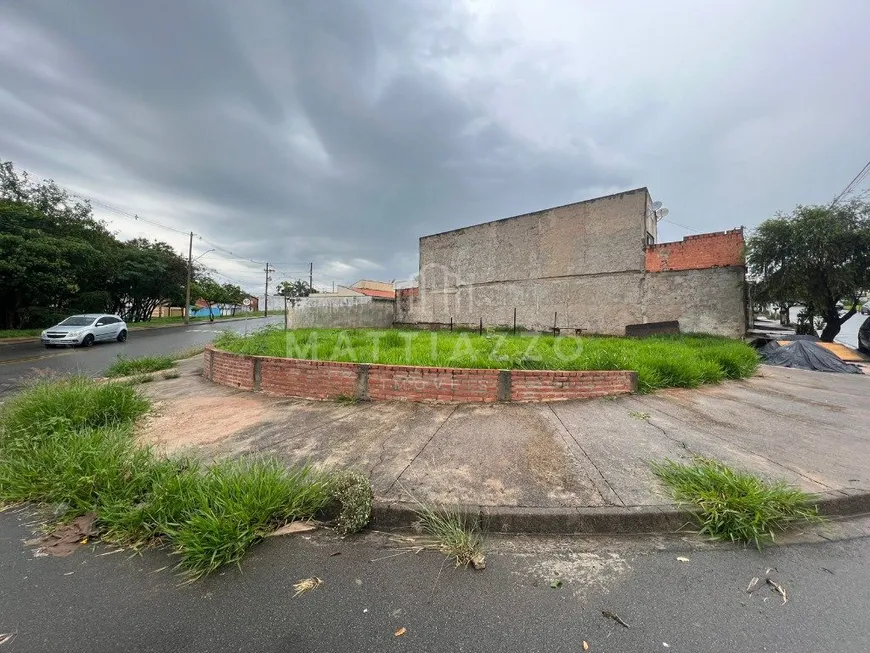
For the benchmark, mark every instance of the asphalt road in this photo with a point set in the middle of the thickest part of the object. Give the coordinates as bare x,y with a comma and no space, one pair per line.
122,602
20,361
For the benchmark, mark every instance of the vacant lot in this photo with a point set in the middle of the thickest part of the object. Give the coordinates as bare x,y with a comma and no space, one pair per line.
685,361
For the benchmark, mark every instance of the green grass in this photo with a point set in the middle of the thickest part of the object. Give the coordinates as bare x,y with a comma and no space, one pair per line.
661,361
124,366
461,539
735,505
70,443
70,404
19,333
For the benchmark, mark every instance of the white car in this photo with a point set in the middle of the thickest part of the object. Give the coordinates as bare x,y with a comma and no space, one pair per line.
85,330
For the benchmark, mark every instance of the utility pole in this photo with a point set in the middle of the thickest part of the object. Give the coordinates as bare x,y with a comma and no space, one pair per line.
285,309
189,278
268,270
310,277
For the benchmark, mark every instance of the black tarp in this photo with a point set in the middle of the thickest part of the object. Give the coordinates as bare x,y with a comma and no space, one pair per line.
805,355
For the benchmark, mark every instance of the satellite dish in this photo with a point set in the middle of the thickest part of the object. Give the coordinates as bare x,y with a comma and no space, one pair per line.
661,213
656,206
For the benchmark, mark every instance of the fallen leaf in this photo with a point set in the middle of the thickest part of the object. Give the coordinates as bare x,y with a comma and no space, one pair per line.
293,527
585,645
306,584
555,584
6,638
752,585
682,559
400,632
335,553
479,561
69,573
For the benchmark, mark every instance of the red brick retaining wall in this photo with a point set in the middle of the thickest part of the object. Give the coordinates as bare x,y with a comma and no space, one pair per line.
543,385
290,377
446,384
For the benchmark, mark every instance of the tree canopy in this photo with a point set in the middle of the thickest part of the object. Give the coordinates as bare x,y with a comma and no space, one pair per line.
816,256
296,288
56,259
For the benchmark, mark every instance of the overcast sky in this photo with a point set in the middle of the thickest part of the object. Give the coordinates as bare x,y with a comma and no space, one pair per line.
339,131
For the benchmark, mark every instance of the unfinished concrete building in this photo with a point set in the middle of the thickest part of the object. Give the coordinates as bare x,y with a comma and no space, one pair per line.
593,265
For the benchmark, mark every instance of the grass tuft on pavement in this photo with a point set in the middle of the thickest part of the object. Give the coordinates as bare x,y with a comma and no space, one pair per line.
70,443
124,366
459,537
685,361
734,505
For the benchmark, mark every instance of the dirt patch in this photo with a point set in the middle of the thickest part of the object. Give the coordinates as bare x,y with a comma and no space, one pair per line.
193,421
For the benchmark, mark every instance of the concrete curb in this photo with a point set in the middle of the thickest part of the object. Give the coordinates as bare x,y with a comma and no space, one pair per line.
18,341
607,519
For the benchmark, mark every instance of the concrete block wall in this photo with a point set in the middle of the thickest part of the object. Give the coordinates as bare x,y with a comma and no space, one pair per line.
699,252
343,313
290,377
596,236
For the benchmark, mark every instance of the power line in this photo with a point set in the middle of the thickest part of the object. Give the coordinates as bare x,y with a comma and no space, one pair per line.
862,174
136,217
677,224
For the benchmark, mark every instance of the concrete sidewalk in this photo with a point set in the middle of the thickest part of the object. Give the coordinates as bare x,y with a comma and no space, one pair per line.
569,466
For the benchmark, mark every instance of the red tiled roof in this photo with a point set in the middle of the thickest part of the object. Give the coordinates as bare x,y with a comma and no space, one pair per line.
386,294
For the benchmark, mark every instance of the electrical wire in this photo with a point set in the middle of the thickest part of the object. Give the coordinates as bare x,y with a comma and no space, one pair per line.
861,176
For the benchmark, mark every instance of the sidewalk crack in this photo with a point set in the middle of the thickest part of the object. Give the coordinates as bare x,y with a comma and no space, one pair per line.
417,455
589,458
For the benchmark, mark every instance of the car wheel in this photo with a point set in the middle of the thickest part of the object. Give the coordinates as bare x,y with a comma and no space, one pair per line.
122,336
88,341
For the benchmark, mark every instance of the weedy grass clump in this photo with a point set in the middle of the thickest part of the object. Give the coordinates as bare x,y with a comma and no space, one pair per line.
734,505
459,537
70,443
124,366
352,491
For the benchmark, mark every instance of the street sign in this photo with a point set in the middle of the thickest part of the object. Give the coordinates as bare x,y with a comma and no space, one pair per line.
246,301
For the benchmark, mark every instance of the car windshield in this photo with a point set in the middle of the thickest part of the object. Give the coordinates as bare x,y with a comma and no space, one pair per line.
77,320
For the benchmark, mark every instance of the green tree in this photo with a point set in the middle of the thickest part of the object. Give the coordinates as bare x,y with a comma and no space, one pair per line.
208,290
295,289
148,273
817,256
234,296
56,258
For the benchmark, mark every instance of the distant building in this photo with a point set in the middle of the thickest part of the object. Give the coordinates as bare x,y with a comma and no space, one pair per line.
381,289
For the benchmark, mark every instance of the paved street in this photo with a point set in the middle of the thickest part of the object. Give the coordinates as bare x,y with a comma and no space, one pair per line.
22,360
122,602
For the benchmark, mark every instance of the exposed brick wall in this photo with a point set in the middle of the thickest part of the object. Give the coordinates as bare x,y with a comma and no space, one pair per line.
403,383
542,385
289,377
310,379
699,252
230,369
